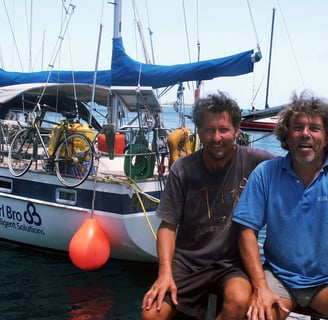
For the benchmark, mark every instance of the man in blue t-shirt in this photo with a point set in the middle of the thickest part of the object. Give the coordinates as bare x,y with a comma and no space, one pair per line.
289,196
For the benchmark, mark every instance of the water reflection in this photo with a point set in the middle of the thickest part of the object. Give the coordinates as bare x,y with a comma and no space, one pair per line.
35,285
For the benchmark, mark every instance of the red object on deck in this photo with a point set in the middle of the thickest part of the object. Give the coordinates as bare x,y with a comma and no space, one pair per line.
119,143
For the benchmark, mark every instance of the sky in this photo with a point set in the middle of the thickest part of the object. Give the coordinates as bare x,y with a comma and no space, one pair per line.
31,29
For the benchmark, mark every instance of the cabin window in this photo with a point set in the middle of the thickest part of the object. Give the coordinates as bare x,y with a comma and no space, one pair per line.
6,185
66,196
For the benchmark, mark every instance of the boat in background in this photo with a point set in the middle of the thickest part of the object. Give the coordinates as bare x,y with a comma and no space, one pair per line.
131,150
261,120
266,124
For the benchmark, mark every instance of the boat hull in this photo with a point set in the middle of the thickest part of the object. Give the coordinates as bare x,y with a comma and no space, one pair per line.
36,210
256,126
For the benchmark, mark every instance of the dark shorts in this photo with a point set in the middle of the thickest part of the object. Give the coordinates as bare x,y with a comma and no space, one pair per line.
195,286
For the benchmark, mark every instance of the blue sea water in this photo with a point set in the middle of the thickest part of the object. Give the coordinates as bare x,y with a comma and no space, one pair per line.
37,285
262,140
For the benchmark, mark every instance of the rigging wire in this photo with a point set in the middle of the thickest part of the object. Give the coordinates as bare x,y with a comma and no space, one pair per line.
254,27
61,36
291,45
60,39
187,32
94,84
258,48
29,22
198,83
256,91
39,53
179,103
197,31
186,29
13,36
73,76
29,28
140,31
150,32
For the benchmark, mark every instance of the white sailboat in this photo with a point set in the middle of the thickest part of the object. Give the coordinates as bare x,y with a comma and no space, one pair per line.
123,190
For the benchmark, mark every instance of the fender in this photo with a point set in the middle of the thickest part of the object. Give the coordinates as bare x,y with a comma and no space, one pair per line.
181,142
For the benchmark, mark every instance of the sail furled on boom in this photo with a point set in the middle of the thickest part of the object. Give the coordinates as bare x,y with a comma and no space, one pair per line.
11,78
126,71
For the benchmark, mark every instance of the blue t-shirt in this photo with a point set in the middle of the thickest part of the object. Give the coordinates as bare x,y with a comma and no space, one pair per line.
296,219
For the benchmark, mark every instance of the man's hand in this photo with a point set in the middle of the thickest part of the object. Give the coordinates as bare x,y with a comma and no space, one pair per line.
262,303
158,290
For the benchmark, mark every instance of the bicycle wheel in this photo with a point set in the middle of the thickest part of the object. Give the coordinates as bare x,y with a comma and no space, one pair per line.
20,154
74,160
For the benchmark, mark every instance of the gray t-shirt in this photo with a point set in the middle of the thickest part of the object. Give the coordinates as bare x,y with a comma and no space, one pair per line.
201,205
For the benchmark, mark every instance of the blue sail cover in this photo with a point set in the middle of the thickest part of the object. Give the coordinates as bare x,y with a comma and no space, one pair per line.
11,78
128,72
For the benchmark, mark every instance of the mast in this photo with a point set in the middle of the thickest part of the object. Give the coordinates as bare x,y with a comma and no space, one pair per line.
117,18
30,38
117,29
110,128
269,64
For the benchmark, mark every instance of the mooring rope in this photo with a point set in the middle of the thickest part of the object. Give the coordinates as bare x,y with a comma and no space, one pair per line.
130,183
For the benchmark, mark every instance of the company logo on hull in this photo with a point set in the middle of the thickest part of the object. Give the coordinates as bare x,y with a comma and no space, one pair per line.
28,221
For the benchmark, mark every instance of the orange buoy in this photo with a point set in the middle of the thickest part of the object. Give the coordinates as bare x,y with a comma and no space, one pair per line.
89,249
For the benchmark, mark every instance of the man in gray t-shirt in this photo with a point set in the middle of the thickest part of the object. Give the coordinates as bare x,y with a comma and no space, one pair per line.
197,242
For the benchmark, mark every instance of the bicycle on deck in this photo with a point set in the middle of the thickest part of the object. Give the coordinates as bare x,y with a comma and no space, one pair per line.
71,155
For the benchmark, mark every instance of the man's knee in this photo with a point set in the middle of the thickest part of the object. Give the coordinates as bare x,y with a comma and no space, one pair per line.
238,290
166,312
150,314
236,298
236,308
